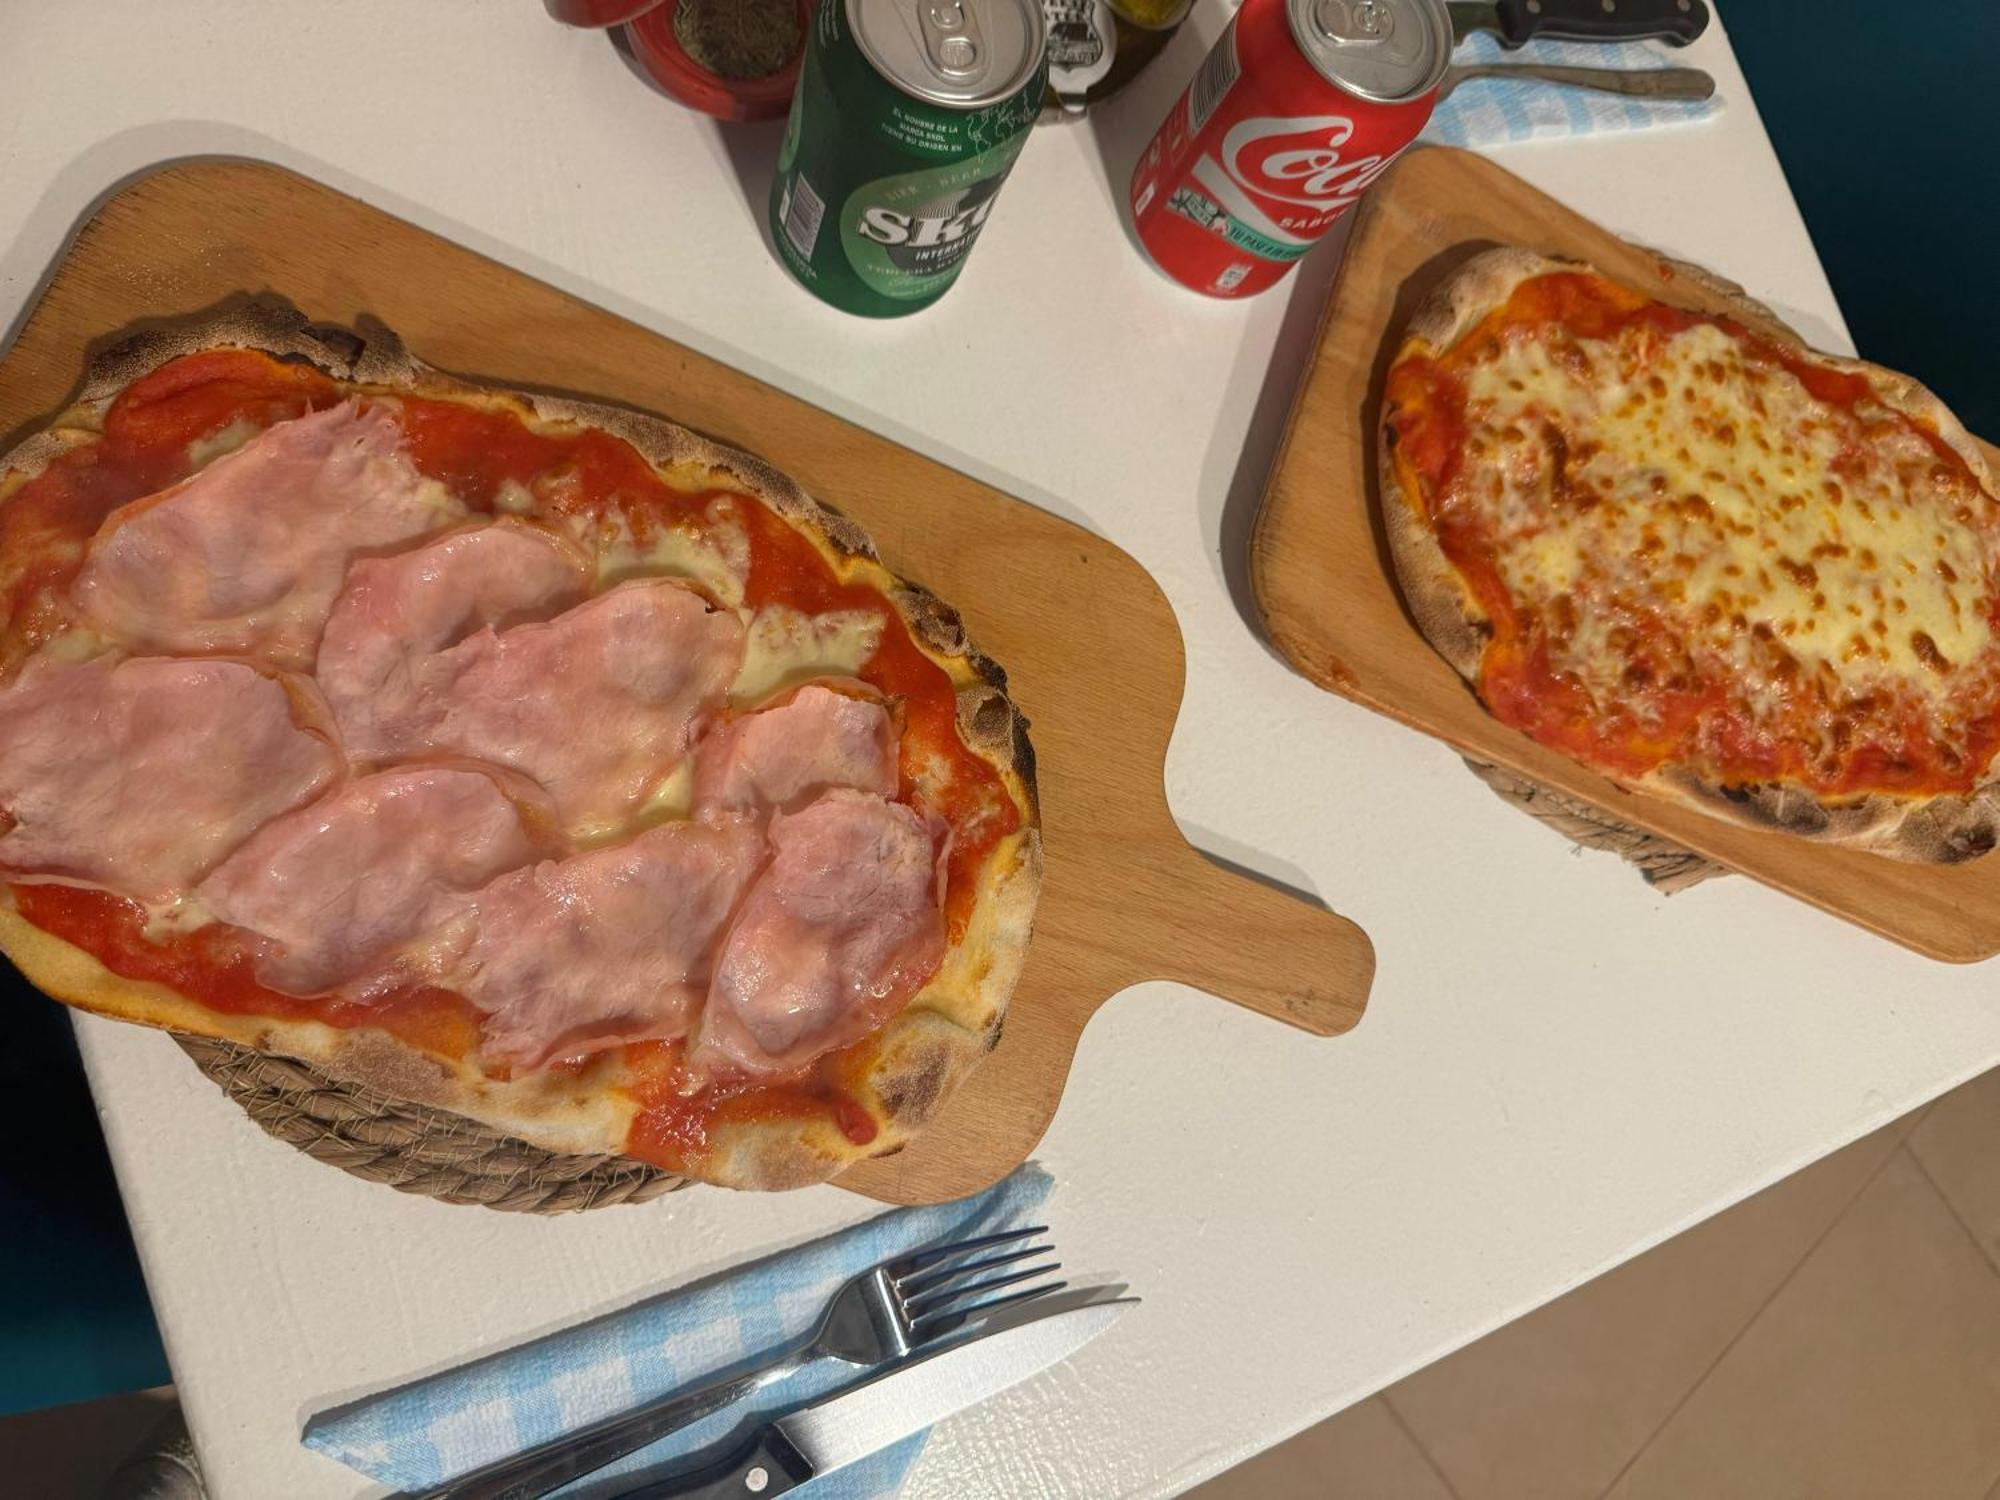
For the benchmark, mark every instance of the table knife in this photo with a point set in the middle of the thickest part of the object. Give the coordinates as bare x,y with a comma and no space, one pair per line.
867,1418
1685,84
1516,22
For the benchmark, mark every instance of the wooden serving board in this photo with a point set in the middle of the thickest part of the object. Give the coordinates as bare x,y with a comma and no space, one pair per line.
1324,584
1125,898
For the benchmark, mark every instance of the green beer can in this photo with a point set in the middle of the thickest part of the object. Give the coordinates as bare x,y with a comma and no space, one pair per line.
907,115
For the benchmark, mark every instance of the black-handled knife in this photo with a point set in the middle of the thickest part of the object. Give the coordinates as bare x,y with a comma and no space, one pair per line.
867,1418
1517,22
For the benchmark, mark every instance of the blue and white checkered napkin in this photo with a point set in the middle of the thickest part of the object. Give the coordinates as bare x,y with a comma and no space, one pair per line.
1488,111
421,1434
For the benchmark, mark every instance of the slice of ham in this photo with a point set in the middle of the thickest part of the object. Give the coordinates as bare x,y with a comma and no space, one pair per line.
378,660
334,885
245,557
835,937
573,956
598,705
140,777
782,757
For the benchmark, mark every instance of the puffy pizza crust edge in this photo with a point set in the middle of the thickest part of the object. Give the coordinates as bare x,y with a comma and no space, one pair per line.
1444,609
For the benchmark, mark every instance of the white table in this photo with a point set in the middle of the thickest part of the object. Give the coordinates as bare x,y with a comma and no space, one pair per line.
1559,1068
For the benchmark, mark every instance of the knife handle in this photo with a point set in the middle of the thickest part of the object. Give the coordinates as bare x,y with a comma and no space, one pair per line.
551,1465
765,1466
1677,22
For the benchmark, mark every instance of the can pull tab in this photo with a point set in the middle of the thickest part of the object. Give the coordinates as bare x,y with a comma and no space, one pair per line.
1351,23
952,39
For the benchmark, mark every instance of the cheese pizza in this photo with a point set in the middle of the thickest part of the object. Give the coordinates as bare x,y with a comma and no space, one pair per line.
537,760
1700,558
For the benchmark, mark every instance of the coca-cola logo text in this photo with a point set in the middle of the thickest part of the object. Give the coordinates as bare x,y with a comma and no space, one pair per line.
1299,161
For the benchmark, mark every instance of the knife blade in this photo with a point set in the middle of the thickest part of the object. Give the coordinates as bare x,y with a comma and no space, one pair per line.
1516,22
867,1418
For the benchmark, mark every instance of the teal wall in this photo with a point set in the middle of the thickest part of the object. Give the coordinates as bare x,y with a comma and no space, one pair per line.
1884,116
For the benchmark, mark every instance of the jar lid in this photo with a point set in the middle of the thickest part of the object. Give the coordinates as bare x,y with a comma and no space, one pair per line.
599,13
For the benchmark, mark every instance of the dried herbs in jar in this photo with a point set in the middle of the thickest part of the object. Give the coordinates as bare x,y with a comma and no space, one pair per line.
738,38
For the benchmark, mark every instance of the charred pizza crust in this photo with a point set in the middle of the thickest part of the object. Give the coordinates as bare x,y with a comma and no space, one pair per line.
1935,830
920,1055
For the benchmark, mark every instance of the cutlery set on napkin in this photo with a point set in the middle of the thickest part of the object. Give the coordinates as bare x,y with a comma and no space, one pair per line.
1592,68
823,1366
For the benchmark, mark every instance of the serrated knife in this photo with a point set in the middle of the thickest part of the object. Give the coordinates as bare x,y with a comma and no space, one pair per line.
867,1418
1517,22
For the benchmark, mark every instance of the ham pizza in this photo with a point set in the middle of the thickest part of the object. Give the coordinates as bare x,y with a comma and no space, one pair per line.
535,760
1700,558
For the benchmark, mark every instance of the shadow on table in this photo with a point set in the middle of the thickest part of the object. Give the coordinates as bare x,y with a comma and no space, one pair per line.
751,148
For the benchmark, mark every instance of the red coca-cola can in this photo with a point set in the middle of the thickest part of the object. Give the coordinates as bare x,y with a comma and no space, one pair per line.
1297,108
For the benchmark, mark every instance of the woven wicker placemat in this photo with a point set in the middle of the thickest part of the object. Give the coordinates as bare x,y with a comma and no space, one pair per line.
1665,865
412,1147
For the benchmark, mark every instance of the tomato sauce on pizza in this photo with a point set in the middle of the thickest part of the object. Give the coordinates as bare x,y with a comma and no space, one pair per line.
1696,546
630,522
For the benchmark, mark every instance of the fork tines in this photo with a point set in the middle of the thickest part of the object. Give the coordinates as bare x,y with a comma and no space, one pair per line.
935,1287
917,1260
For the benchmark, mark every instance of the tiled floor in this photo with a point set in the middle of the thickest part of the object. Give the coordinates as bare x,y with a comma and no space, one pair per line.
1838,1335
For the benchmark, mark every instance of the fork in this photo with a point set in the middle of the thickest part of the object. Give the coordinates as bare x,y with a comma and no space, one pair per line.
879,1316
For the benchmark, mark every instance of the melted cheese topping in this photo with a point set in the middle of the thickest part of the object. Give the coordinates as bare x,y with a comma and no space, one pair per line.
167,919
204,451
783,648
1653,478
715,557
514,498
78,643
672,798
